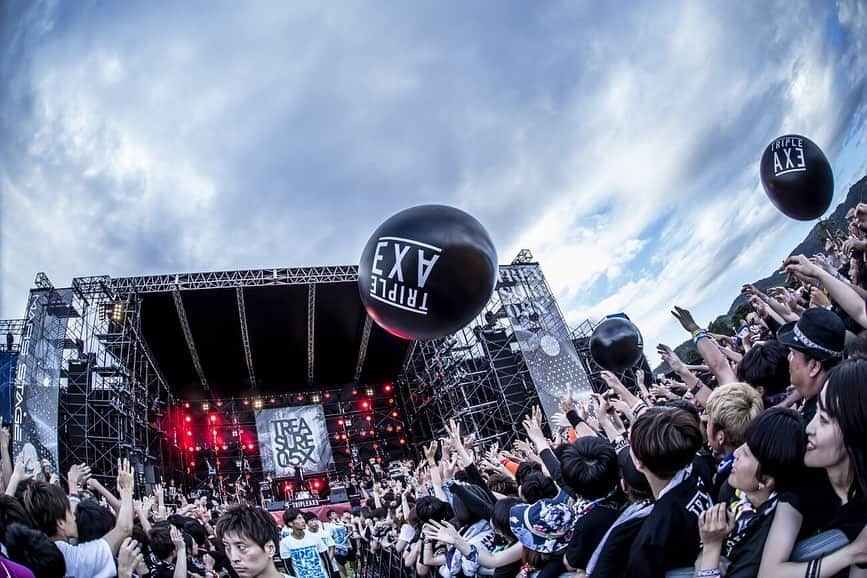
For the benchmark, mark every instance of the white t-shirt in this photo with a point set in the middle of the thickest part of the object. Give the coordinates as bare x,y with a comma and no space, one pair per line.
407,533
322,535
89,560
304,554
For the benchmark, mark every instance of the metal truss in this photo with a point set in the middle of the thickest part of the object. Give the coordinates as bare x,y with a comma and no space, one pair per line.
311,324
188,336
362,348
232,279
245,336
475,376
113,393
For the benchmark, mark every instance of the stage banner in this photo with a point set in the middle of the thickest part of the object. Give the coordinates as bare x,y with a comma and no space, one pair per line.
542,335
8,364
293,439
37,379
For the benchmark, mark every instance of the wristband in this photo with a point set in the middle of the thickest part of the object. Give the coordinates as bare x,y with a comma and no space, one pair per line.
709,573
639,407
697,388
700,334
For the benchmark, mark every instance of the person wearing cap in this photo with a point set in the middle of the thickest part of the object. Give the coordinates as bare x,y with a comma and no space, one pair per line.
815,343
544,528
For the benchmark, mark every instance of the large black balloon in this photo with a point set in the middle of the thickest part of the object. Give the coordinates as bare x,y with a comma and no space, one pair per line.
616,344
427,271
797,177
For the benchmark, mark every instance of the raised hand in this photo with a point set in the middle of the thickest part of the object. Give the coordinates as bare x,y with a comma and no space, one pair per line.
818,298
78,475
129,557
802,266
684,317
669,356
125,476
430,452
177,538
441,532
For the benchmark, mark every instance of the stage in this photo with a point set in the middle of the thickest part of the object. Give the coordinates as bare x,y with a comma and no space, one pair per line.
320,511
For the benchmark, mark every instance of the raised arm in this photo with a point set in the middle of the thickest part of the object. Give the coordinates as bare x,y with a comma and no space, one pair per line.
123,525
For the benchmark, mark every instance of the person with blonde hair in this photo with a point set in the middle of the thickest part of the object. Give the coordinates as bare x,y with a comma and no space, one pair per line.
731,409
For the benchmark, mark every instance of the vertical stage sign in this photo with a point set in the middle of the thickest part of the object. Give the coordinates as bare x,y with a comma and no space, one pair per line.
542,335
37,379
8,365
293,439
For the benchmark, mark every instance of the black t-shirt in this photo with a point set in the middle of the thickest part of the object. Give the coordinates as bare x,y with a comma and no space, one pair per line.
162,570
808,409
744,548
614,556
814,498
669,537
704,467
850,517
589,531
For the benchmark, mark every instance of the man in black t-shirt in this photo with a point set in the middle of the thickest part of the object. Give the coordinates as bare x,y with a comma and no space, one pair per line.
589,468
663,443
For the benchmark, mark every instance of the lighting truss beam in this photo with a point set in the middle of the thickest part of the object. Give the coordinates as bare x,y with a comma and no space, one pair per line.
311,318
188,335
362,349
232,279
245,336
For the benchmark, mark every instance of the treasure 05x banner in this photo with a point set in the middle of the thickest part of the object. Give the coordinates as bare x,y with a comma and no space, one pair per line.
293,439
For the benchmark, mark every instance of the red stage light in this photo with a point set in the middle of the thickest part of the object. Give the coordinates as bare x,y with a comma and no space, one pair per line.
399,428
299,398
187,405
365,405
317,484
213,418
192,464
372,433
219,404
189,433
402,441
390,429
354,392
391,401
327,395
368,418
363,432
246,402
337,437
394,414
250,446
388,388
188,419
214,432
340,421
225,447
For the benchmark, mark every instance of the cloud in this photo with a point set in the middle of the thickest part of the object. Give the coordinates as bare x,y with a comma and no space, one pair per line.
620,146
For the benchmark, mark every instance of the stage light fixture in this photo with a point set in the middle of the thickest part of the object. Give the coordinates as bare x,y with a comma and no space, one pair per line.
225,447
188,419
368,418
372,433
257,404
365,405
327,395
273,400
246,402
189,433
394,414
354,392
315,398
364,433
219,404
192,464
187,405
340,421
402,441
213,418
398,428
369,392
388,388
206,406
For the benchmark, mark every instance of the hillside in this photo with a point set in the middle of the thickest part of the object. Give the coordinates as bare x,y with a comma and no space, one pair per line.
812,244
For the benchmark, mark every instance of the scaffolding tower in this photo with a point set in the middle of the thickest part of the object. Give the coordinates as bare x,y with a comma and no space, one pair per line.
112,392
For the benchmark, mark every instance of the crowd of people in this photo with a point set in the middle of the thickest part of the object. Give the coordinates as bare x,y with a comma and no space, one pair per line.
751,463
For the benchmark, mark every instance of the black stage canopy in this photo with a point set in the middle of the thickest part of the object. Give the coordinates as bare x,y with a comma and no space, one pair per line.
288,330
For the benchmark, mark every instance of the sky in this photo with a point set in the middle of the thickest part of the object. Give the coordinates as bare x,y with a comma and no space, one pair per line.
620,144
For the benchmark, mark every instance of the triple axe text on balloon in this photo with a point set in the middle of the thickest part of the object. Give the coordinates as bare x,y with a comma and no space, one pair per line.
401,268
788,155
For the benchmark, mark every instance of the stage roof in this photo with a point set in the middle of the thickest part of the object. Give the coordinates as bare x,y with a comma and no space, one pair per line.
245,325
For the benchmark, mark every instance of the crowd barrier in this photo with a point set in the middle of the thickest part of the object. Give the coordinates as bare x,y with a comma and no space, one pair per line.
383,563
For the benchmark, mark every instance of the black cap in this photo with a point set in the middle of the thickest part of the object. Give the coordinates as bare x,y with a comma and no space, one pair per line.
818,332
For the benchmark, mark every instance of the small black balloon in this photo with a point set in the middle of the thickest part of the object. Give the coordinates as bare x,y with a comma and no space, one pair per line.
797,177
427,271
616,344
